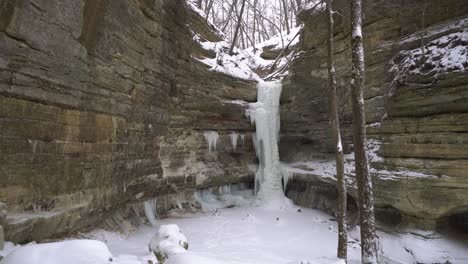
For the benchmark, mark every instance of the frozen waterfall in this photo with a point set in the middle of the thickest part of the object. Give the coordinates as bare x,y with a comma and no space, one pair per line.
265,114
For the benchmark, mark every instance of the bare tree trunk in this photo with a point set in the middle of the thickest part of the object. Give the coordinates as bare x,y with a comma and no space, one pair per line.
299,5
239,21
254,21
364,181
242,37
209,6
199,4
294,12
335,126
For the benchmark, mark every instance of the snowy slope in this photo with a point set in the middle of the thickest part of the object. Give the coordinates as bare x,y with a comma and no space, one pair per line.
246,64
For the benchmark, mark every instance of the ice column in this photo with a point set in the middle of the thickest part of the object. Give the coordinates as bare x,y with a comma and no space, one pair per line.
265,114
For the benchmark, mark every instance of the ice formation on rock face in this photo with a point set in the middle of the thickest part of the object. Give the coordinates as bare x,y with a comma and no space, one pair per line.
150,211
234,137
265,114
223,196
212,139
287,174
242,136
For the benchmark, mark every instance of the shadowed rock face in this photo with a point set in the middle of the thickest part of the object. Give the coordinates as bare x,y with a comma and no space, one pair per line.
102,104
418,115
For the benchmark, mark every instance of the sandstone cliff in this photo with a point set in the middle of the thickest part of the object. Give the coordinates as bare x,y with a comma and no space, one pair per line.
416,102
102,104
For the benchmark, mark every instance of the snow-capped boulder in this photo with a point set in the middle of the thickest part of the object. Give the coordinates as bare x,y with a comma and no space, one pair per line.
169,241
70,252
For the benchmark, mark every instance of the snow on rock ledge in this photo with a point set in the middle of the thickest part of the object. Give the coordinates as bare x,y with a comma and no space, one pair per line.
441,55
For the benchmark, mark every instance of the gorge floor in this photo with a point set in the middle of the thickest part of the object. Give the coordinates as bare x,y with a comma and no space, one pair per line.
255,235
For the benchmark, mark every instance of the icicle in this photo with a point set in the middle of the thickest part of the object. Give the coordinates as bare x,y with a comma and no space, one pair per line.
234,137
287,175
212,139
242,136
150,211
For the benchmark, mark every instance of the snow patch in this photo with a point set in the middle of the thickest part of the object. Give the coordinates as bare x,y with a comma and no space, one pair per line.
236,65
441,55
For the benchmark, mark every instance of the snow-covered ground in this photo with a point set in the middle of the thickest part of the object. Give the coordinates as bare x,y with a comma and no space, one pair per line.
256,235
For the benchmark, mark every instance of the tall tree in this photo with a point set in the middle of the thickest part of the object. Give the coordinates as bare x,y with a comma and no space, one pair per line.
236,32
364,181
335,127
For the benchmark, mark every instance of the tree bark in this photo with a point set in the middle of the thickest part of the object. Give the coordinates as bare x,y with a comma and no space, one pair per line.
363,178
335,127
236,32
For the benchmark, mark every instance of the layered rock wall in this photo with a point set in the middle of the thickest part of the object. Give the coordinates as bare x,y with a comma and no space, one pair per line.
102,104
416,101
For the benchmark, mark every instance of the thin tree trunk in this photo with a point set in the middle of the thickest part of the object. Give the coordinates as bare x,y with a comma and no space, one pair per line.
285,8
364,181
254,21
294,12
335,127
299,5
239,17
242,37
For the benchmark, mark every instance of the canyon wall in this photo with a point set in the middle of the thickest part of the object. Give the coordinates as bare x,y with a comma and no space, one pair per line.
102,103
416,99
